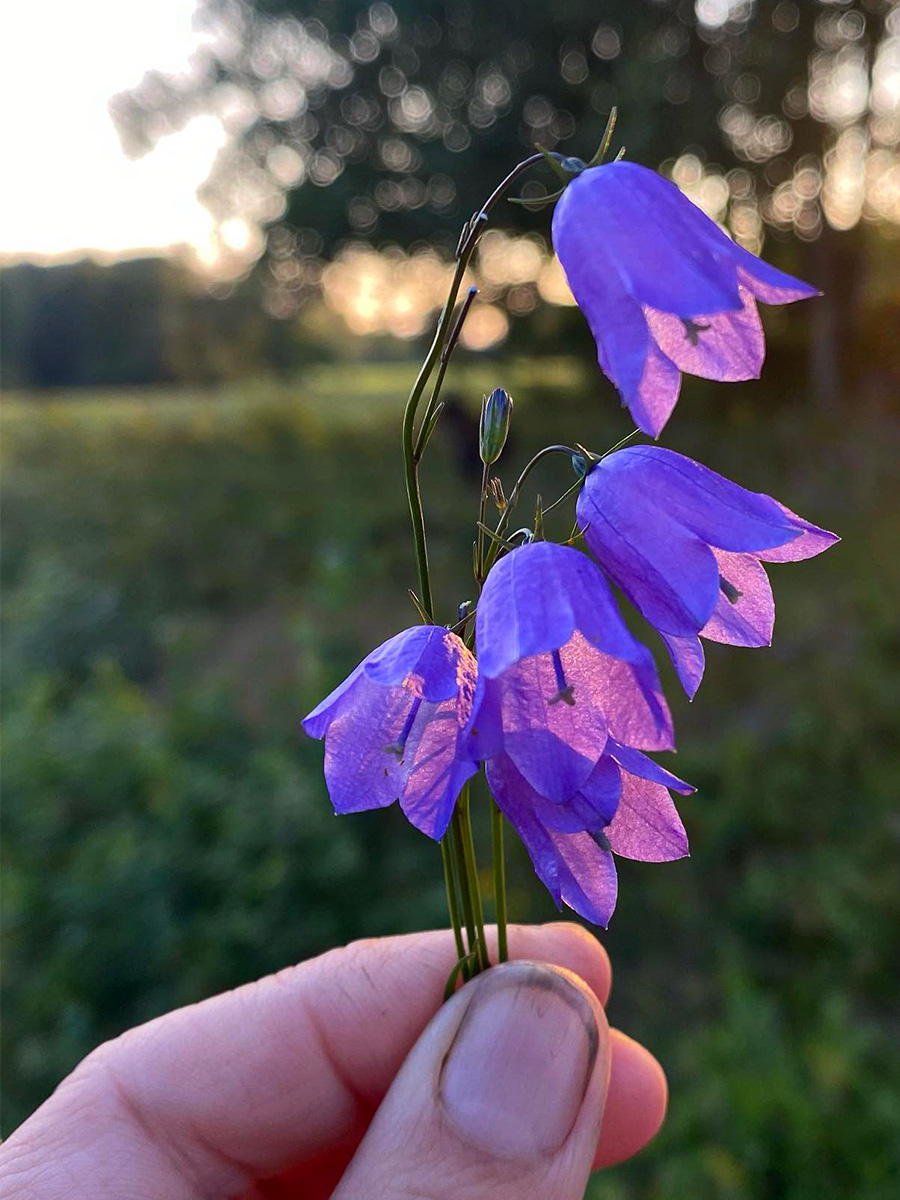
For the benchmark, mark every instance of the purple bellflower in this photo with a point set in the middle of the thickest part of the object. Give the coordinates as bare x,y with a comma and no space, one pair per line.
560,672
397,728
685,545
625,809
663,288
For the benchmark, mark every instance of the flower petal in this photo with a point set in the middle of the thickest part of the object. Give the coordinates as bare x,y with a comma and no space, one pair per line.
656,395
706,504
635,763
433,771
688,660
316,723
769,284
626,220
728,346
748,620
811,541
426,660
646,825
587,876
668,574
554,745
517,801
359,772
571,866
524,607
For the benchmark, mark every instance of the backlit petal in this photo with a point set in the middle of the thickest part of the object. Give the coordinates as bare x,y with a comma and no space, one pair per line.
749,619
646,825
728,346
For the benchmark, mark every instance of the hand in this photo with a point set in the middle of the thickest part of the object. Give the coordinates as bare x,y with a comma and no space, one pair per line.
346,1072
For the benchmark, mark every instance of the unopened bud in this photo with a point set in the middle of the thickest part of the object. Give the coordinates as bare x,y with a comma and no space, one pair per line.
579,465
496,413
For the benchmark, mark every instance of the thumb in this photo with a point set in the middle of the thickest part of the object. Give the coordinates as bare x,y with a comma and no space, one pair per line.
502,1096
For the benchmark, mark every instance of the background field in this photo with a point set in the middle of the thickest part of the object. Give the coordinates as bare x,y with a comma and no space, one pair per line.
187,572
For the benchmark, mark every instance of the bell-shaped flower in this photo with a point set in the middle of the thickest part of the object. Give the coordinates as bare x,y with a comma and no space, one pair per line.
398,728
685,545
560,671
623,808
663,288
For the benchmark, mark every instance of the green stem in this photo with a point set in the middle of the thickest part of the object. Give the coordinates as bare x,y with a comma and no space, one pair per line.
482,505
499,879
468,846
464,883
514,498
453,902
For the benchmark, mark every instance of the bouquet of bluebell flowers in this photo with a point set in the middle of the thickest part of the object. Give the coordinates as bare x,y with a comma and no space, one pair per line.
540,682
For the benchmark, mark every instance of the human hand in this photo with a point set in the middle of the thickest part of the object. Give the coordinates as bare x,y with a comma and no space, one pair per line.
347,1073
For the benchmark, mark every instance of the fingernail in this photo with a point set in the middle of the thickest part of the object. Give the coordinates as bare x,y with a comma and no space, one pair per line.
517,1071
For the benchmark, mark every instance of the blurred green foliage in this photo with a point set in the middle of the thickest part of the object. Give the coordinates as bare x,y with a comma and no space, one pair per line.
185,574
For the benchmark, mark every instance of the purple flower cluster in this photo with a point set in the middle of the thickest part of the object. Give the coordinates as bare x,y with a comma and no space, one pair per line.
563,701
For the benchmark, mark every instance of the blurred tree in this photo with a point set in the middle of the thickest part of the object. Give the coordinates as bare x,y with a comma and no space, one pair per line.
350,118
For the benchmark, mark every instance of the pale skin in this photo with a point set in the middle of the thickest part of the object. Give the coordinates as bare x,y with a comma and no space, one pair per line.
346,1076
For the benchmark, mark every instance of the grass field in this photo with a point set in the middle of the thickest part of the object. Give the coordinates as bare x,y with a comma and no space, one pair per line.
186,573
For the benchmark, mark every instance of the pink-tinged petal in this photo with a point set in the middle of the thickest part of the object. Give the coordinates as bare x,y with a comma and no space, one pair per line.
628,691
811,541
432,770
646,825
669,575
656,395
728,346
427,660
635,763
688,660
359,771
749,619
554,745
769,284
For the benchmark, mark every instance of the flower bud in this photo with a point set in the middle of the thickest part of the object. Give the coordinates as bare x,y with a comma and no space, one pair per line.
496,413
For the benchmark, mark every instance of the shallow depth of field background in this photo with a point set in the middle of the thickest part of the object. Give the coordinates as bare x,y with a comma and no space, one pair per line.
204,528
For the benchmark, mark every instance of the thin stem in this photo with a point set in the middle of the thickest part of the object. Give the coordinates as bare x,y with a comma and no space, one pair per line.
468,846
482,505
499,879
464,888
426,424
514,497
453,902
467,242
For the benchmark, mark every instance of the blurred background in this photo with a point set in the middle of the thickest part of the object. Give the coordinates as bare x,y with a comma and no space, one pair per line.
226,230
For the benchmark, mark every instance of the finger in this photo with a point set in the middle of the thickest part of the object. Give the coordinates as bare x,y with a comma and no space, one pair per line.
638,1094
247,1084
501,1097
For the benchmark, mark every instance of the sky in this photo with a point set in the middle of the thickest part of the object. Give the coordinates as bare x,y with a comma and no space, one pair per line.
60,61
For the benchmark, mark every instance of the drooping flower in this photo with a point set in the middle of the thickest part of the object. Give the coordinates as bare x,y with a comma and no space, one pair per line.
397,728
560,672
685,545
663,288
624,808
